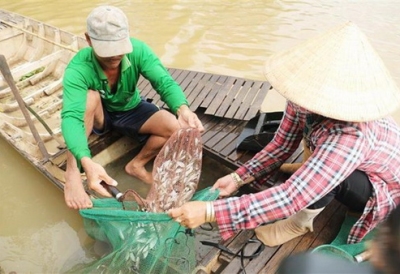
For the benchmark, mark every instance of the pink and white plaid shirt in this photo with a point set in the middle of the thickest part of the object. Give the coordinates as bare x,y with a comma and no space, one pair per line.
339,148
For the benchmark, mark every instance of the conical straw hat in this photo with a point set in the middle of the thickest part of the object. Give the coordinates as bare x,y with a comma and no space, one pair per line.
337,75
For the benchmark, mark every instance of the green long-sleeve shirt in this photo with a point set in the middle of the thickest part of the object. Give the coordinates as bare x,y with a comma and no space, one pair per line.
84,73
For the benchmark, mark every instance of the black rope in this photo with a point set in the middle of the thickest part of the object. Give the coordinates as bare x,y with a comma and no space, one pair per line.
240,252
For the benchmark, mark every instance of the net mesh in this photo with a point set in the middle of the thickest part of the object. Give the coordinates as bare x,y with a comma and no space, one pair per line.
144,239
142,242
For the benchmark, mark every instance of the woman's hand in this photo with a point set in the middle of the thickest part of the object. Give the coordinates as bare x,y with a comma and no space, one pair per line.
226,186
191,214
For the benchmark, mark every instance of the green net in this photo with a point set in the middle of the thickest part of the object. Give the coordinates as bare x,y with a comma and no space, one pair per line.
339,247
143,238
142,242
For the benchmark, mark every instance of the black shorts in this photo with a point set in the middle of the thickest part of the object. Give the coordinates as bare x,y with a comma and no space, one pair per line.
128,122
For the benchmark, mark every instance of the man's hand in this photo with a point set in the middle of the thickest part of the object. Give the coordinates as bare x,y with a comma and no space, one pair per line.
187,118
95,173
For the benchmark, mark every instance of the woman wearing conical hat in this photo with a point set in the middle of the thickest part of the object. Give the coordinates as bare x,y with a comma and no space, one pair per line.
339,95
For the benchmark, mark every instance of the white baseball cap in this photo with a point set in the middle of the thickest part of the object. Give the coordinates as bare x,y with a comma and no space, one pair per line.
108,29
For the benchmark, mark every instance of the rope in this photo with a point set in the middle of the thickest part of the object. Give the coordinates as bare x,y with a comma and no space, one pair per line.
240,252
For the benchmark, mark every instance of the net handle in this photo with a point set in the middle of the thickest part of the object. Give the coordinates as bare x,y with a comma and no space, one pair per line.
113,191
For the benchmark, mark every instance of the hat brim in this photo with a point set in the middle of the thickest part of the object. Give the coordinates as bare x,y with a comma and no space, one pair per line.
337,74
111,48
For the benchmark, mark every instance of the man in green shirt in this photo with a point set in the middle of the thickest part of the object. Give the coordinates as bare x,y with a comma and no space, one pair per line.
100,94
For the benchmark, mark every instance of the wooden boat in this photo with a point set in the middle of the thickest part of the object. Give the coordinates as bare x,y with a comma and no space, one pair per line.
37,55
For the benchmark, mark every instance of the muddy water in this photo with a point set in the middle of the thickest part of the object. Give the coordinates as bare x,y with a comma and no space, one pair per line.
38,234
37,231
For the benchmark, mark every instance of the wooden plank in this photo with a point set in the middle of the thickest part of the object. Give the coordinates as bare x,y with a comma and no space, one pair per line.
209,122
238,100
255,106
203,90
226,144
247,100
99,143
185,83
115,150
196,85
216,126
235,265
210,262
225,140
239,158
236,129
241,239
184,76
230,150
219,137
197,89
221,97
222,110
214,91
256,264
211,139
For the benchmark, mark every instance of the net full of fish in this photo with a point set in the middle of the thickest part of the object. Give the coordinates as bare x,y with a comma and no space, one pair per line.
143,237
176,173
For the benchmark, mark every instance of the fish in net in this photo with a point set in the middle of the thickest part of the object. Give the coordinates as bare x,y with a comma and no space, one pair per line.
144,239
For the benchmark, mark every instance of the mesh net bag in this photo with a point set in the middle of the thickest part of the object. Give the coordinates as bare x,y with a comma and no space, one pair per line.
144,239
142,242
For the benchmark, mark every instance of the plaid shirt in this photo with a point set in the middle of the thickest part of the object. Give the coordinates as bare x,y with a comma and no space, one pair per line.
339,148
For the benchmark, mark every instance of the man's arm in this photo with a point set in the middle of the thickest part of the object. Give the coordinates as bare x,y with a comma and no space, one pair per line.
73,113
168,89
161,80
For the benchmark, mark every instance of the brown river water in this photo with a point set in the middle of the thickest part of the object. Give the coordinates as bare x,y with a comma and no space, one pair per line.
38,233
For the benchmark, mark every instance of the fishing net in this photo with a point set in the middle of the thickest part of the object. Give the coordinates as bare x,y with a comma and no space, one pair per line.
339,246
144,239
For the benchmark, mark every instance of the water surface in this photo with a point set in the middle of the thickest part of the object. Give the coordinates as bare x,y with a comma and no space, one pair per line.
38,233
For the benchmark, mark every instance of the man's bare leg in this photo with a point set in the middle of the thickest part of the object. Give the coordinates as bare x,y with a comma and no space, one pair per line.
160,126
136,167
74,193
